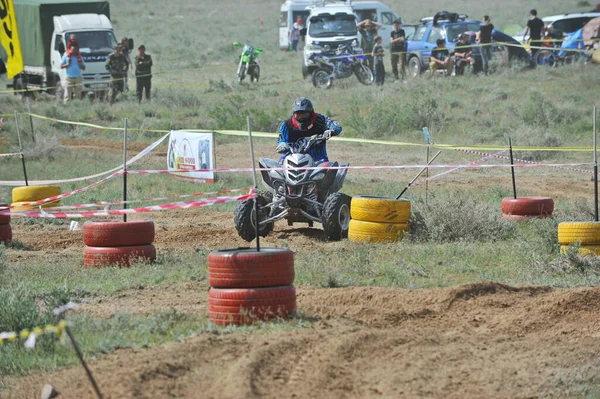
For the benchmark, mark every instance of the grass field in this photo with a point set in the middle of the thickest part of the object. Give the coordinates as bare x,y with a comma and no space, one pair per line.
457,237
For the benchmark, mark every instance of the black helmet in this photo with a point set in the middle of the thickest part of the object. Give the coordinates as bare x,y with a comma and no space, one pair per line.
302,104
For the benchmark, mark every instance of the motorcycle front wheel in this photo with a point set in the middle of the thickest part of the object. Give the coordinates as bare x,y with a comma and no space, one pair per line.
242,72
364,74
321,79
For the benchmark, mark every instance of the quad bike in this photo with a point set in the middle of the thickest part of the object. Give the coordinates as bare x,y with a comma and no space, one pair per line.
297,195
248,62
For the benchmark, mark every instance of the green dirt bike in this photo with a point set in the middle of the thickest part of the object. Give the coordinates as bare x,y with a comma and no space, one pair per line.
248,62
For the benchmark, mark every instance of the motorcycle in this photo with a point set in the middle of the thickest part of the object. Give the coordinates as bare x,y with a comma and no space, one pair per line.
297,195
248,62
345,62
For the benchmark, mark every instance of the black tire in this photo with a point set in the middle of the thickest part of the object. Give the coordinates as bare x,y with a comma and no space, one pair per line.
254,73
319,78
364,74
414,67
546,58
336,216
244,218
242,72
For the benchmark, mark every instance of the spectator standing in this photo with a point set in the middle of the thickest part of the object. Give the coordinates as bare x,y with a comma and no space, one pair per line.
294,34
378,54
398,50
440,58
126,51
484,38
74,64
143,73
117,65
535,28
368,30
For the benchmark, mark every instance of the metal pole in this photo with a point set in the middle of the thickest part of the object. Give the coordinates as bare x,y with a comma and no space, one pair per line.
125,170
255,185
83,363
21,148
595,167
512,169
30,119
418,174
427,177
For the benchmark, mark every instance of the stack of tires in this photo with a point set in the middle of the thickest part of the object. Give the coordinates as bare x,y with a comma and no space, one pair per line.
117,243
587,234
22,195
249,286
5,229
378,219
527,208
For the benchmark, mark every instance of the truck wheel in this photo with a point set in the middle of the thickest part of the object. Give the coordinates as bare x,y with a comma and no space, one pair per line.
414,67
19,86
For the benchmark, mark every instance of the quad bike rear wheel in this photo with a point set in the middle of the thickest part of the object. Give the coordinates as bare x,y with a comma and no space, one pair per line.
245,218
336,216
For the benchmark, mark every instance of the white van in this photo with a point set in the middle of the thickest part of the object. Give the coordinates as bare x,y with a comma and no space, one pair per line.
333,24
291,10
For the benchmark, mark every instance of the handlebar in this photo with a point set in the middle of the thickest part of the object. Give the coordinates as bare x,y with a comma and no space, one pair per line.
303,145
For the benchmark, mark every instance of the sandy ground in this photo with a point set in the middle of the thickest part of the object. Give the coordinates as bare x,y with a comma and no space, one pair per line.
481,340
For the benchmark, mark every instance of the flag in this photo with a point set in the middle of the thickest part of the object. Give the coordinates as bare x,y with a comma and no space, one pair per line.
9,38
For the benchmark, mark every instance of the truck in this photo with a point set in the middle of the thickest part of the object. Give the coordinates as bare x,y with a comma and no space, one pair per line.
44,29
334,24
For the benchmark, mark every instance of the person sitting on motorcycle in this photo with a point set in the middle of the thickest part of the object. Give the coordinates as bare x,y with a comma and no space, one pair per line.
305,122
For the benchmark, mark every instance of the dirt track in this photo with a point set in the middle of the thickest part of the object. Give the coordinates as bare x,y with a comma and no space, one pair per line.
481,340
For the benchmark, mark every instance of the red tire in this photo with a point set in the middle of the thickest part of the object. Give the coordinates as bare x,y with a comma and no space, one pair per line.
243,306
528,206
118,256
524,217
5,233
247,268
114,233
4,219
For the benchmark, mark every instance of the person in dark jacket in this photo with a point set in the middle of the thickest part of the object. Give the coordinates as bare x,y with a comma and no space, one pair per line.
143,73
305,122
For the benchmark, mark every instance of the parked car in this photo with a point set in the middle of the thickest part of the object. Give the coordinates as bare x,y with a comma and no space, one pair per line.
429,31
566,24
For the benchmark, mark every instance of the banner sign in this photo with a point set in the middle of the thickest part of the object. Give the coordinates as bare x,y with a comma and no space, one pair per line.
191,151
9,38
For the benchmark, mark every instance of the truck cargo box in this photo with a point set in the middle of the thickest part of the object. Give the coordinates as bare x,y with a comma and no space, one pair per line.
35,23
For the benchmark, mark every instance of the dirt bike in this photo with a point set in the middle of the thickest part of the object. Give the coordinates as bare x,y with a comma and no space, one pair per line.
345,62
297,195
248,62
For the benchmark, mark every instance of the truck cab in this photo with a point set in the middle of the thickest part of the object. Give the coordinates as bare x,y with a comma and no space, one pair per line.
96,41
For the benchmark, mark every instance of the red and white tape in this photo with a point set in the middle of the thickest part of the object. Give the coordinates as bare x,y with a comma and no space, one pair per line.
154,208
12,154
520,160
490,156
70,193
170,197
443,166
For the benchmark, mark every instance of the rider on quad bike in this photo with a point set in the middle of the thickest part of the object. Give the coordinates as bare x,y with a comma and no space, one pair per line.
303,186
305,122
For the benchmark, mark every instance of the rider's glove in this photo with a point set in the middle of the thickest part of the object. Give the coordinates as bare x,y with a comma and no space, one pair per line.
327,134
282,148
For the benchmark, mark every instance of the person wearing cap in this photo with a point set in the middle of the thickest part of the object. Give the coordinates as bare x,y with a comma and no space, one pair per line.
368,30
71,44
398,50
143,73
117,65
462,53
535,28
74,64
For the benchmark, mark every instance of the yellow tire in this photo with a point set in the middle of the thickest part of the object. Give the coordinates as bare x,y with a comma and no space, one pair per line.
34,193
586,233
380,209
360,231
586,250
32,208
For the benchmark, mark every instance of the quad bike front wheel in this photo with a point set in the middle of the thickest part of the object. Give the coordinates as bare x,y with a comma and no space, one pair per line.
245,217
336,216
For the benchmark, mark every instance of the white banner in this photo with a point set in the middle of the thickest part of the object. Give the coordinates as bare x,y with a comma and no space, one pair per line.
191,151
